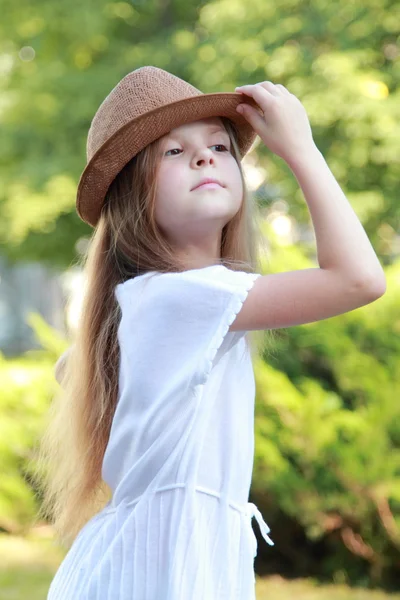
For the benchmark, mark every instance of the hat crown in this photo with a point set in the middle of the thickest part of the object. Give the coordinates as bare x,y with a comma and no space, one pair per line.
139,92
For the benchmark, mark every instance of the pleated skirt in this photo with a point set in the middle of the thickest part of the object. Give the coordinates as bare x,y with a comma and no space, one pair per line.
174,544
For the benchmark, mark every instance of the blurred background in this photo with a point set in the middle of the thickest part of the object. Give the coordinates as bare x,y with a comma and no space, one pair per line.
327,458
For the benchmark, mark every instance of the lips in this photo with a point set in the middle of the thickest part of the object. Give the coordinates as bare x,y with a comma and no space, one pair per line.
208,180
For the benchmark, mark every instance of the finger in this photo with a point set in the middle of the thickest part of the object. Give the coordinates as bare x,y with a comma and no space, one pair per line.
267,85
271,87
252,115
262,96
283,89
248,89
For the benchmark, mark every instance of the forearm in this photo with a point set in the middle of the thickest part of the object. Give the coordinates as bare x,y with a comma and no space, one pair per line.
342,244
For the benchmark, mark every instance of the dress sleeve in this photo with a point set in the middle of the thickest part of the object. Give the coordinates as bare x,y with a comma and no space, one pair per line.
178,321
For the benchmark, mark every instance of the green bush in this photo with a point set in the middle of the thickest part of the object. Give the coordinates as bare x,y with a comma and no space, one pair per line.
327,450
28,384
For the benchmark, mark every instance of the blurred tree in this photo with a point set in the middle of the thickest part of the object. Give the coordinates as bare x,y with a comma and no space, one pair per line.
59,63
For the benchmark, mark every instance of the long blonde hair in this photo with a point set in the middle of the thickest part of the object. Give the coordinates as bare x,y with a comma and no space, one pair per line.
126,242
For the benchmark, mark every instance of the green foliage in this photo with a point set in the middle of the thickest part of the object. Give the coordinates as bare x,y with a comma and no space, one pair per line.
340,59
328,439
28,384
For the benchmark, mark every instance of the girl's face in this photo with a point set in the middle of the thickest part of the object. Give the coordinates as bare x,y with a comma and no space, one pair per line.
192,219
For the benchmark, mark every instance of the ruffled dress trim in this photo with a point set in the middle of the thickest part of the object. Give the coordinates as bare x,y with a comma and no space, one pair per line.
243,285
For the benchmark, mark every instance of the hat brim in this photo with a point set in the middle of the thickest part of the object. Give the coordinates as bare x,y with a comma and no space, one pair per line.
130,139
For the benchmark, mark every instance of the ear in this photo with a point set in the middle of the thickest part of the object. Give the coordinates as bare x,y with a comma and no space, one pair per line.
60,366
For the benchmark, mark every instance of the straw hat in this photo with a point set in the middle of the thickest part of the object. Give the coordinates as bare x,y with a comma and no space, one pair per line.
145,105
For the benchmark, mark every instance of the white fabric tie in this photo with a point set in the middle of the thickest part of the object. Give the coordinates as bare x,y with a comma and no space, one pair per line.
254,512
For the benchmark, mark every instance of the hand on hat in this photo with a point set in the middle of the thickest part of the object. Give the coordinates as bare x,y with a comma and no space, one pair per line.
284,128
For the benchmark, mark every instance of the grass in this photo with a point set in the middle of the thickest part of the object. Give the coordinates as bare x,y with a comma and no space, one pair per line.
27,566
277,588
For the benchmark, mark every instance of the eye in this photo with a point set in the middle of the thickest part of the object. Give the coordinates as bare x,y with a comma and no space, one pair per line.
215,145
171,150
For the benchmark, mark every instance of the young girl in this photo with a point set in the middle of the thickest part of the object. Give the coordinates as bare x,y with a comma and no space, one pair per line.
148,453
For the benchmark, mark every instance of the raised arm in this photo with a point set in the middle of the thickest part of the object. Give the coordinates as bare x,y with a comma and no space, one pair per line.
342,244
349,273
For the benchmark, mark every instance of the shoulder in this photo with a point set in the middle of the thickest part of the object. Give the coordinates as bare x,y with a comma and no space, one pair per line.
206,294
214,276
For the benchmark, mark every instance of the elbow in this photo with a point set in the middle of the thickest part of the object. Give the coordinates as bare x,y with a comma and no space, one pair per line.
373,287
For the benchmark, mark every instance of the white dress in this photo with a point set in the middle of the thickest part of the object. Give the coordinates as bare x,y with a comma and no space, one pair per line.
180,454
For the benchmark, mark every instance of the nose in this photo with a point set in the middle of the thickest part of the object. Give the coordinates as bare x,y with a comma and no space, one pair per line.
204,156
